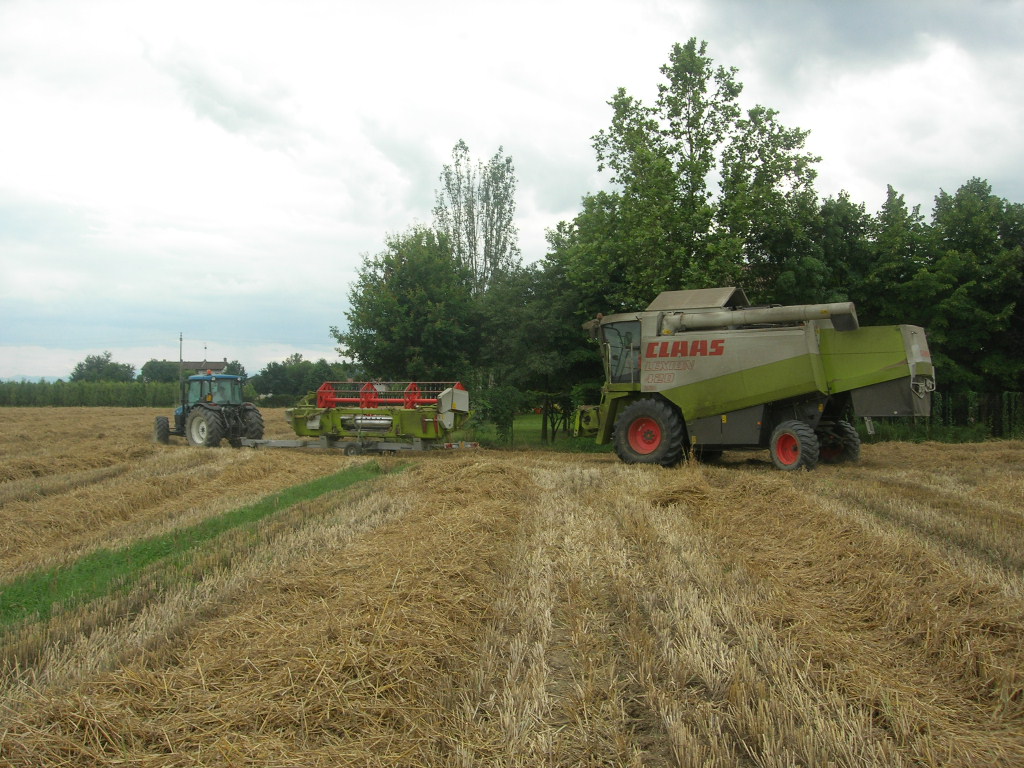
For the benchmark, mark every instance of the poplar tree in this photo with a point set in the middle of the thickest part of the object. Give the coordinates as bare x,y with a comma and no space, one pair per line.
704,194
475,209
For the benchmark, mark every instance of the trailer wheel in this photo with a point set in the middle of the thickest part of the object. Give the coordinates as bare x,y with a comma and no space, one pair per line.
841,444
794,445
649,431
204,428
162,430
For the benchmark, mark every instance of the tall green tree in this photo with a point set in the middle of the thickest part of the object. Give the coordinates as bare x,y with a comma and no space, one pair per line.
843,236
102,368
475,209
160,371
768,208
530,323
295,377
969,291
705,195
901,245
412,314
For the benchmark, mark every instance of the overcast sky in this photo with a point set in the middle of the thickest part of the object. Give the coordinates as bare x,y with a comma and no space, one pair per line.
219,169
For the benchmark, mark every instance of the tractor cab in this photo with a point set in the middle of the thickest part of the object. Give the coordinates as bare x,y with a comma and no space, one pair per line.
218,389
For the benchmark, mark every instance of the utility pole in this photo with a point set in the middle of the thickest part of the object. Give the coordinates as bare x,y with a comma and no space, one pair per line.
181,368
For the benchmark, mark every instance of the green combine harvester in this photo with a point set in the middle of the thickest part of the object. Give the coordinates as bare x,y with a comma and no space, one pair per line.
700,372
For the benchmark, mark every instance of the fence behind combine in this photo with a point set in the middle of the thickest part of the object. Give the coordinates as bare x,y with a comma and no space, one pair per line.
1000,413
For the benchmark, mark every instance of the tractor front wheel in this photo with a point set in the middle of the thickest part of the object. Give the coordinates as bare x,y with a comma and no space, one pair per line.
794,445
649,431
204,428
162,430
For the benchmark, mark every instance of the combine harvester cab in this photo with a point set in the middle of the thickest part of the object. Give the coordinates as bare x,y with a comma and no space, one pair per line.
376,416
701,372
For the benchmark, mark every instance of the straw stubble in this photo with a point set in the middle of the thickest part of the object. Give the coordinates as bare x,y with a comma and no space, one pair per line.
522,609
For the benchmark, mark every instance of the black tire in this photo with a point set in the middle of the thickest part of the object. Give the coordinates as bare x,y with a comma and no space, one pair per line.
204,428
840,444
252,424
162,430
650,431
794,445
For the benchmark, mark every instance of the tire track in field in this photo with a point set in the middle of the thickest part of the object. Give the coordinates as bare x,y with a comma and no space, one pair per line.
990,532
39,487
729,688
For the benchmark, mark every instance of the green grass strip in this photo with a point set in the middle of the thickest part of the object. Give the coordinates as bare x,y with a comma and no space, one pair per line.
34,594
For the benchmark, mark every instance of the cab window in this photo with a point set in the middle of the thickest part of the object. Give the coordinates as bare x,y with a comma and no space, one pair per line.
622,351
227,391
197,391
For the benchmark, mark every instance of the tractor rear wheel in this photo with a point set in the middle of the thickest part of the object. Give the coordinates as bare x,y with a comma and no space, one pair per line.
252,424
649,431
841,444
162,430
204,428
794,445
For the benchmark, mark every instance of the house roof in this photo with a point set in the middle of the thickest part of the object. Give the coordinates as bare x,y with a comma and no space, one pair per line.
204,365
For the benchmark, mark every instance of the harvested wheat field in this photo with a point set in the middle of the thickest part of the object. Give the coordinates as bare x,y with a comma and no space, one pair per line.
498,608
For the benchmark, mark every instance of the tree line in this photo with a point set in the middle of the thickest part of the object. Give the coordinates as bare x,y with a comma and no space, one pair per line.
102,367
88,393
99,380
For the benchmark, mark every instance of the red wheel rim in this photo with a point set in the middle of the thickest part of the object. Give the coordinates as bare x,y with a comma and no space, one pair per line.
787,448
644,435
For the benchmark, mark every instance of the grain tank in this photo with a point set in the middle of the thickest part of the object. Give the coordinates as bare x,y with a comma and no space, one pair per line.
701,371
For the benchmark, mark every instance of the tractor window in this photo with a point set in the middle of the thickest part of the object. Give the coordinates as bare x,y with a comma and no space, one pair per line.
227,391
219,391
622,345
197,390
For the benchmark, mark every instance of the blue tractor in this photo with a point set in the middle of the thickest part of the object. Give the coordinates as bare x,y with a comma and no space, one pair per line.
212,409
